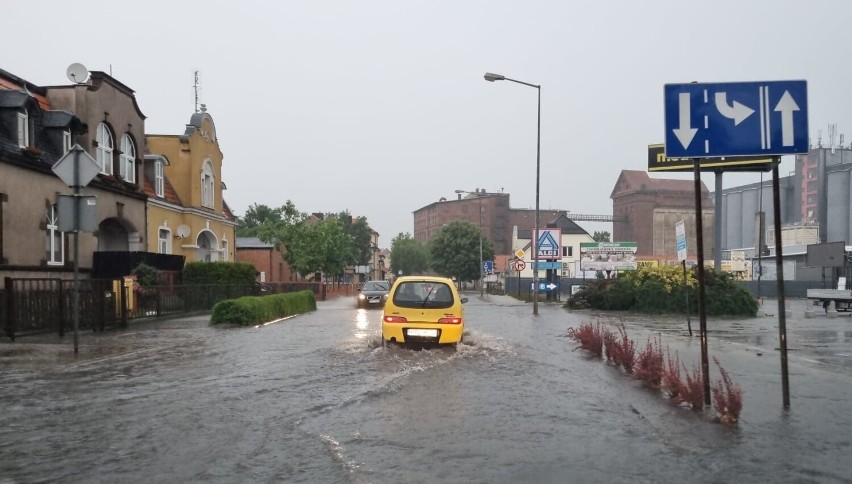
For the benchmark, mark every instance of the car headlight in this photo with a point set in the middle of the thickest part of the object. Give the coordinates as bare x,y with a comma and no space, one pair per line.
361,296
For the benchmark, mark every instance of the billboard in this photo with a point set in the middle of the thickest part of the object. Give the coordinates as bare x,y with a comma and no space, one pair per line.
608,256
831,254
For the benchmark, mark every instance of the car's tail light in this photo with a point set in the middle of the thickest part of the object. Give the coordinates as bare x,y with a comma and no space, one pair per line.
395,319
452,320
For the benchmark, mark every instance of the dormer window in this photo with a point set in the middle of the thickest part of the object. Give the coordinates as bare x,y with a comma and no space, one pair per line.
25,135
66,141
104,149
159,178
127,159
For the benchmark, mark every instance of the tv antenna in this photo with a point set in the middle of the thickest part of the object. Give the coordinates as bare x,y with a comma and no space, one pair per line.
196,87
77,73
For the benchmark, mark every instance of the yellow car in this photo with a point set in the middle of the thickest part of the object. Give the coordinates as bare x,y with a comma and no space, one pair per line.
423,310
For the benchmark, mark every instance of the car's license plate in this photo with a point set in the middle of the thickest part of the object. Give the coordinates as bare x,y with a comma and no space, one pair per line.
423,332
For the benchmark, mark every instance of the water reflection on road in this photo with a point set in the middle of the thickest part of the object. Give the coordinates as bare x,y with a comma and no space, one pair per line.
317,398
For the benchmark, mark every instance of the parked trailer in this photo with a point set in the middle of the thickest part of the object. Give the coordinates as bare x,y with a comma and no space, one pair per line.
842,298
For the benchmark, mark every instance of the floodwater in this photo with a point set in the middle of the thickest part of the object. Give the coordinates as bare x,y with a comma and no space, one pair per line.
316,398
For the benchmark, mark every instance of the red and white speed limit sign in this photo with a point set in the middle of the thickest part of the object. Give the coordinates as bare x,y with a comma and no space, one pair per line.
520,265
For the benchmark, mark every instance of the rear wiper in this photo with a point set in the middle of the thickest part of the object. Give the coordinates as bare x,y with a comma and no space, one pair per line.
426,299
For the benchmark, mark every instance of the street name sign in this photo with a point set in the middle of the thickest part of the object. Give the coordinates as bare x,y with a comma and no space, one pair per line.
712,120
680,240
657,161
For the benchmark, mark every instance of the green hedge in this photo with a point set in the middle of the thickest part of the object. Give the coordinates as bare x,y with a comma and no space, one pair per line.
251,310
219,273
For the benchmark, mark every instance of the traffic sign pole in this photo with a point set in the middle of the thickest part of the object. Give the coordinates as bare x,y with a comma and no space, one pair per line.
779,266
702,308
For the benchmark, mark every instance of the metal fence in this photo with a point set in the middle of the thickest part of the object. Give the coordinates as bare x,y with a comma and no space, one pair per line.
39,306
32,306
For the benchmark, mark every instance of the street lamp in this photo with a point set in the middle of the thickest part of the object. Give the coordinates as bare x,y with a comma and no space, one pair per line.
481,269
497,77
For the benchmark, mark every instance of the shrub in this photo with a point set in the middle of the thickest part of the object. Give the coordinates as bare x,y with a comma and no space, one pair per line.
195,273
672,383
727,397
661,290
249,310
589,336
610,347
649,364
625,348
694,389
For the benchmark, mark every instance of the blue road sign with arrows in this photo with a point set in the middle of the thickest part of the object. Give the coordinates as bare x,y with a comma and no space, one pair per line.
705,120
488,266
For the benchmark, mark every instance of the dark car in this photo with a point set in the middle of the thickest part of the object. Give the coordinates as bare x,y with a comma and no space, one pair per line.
373,294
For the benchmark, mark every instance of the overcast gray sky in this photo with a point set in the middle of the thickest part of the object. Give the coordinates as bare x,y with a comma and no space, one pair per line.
380,107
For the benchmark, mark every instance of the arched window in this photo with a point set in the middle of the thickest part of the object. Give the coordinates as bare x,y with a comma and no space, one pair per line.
128,158
207,182
104,150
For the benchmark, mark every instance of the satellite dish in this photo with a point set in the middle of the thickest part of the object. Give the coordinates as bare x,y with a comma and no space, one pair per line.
183,231
77,73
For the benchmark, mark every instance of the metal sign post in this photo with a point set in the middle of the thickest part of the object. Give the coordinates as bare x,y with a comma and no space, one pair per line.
715,120
702,308
76,168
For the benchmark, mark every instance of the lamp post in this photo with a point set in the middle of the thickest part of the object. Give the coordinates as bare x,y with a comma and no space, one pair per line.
481,275
497,77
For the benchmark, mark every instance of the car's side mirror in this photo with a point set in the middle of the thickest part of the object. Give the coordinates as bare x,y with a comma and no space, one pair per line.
463,300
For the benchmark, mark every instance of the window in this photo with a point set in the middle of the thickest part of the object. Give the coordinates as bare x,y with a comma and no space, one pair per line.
164,241
66,141
159,178
24,137
567,251
127,160
55,239
207,197
104,150
224,250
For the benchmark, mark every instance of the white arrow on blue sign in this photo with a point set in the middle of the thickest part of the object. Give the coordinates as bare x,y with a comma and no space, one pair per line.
488,266
711,120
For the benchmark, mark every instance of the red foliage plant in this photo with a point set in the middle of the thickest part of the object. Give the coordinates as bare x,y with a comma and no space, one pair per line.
694,387
727,397
589,336
650,365
672,383
626,350
610,348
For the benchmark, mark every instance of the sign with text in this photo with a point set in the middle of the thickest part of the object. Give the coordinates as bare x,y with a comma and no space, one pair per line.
680,240
549,243
608,256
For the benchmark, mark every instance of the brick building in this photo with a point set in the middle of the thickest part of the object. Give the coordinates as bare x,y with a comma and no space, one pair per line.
490,211
646,210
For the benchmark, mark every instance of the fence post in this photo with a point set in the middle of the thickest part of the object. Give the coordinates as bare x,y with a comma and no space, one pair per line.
125,307
61,310
10,309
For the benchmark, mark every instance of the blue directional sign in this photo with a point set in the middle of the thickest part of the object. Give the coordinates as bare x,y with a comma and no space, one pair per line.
545,286
547,265
705,120
488,266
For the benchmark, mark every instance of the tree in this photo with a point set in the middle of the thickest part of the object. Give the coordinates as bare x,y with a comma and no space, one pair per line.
362,236
454,250
407,255
601,236
257,216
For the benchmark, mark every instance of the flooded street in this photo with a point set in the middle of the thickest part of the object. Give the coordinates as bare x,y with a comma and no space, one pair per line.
316,398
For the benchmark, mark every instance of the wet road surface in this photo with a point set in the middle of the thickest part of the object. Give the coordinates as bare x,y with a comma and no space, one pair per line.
315,398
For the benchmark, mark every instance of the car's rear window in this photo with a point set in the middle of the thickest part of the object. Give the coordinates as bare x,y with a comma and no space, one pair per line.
376,286
422,294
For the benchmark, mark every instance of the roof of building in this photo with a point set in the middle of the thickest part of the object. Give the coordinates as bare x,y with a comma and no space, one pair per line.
632,181
253,243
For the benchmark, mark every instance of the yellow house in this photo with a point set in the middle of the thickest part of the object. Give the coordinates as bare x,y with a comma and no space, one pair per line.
183,180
